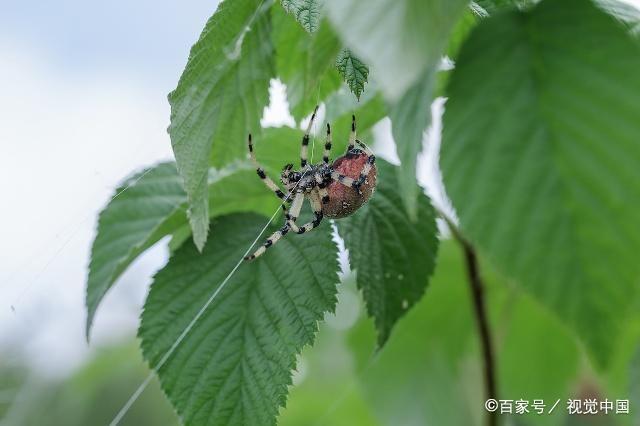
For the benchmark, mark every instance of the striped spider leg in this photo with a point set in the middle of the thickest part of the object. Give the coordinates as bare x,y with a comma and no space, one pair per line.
314,200
291,215
263,175
304,148
322,185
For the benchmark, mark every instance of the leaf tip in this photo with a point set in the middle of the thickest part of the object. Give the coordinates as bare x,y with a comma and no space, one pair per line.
199,242
87,326
354,72
198,220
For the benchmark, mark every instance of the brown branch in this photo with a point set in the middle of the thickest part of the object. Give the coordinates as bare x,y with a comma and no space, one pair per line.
477,293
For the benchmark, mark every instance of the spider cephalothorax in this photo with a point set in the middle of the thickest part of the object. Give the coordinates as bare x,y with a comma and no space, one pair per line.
334,190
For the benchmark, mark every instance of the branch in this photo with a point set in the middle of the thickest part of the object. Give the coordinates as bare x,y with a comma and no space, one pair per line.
477,292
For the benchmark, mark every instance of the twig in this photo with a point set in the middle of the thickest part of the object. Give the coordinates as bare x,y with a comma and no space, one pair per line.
477,292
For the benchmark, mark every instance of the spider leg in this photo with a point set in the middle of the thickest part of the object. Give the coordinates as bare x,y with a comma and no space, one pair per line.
345,180
305,140
327,146
273,238
266,179
322,189
293,213
350,182
297,205
352,136
317,212
371,160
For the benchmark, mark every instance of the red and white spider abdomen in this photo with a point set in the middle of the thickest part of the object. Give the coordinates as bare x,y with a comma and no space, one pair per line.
344,200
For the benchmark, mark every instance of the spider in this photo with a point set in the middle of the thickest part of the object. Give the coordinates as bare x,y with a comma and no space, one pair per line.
335,190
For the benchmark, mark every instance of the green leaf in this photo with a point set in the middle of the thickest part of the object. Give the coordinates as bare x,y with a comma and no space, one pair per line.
307,12
152,204
409,120
305,62
459,34
235,365
411,115
540,153
220,98
398,39
393,256
494,6
239,189
627,13
621,9
145,208
353,71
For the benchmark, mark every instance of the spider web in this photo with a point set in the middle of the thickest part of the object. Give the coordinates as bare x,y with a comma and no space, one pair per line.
195,319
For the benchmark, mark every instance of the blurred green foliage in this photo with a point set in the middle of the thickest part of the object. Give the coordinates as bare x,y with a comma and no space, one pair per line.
89,396
428,373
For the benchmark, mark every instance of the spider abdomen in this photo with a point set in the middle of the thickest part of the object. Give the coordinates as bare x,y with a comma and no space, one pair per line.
343,200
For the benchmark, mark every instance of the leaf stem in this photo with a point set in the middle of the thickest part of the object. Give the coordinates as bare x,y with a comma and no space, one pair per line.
477,292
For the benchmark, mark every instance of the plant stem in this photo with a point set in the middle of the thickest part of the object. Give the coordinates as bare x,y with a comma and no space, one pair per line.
477,293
